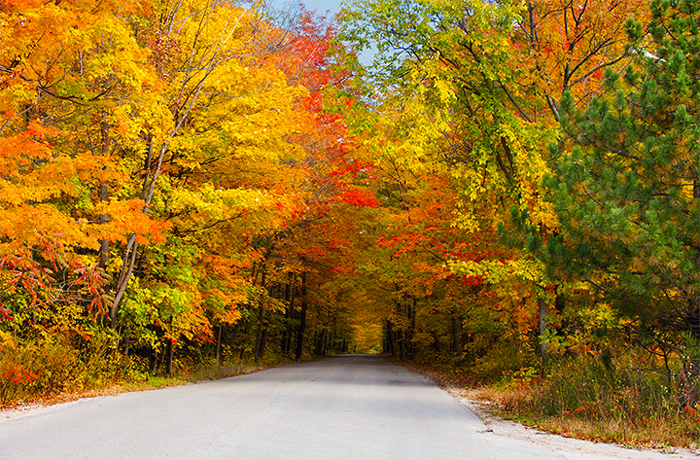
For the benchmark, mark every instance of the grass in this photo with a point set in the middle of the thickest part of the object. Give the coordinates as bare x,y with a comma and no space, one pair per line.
142,381
45,371
621,402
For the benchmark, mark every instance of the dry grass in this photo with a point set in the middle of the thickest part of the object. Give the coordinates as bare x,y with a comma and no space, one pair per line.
657,432
25,396
649,418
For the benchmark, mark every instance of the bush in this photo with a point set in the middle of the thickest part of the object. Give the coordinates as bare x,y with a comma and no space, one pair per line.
45,365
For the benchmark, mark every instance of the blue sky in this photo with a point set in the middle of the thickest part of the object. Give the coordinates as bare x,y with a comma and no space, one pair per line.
321,6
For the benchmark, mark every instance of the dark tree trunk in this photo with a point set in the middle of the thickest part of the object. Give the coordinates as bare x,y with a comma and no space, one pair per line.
457,334
321,343
169,357
260,332
153,360
302,319
231,339
218,343
263,341
388,342
395,341
436,342
288,316
104,192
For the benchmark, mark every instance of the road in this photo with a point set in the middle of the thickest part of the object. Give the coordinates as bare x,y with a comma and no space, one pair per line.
347,407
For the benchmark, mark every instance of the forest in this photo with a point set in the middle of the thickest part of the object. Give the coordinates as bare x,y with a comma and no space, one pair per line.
507,195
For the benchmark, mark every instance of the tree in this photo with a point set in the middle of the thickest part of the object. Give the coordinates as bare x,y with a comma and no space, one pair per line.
479,85
65,92
627,193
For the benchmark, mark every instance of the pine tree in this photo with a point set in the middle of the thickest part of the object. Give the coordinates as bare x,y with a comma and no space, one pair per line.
628,192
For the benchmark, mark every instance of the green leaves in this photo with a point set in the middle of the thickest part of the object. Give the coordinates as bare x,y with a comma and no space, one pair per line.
626,197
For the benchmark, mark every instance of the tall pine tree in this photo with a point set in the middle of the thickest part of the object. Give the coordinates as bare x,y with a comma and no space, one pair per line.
628,192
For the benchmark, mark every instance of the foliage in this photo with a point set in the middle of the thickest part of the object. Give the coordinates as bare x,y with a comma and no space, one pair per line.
170,174
627,191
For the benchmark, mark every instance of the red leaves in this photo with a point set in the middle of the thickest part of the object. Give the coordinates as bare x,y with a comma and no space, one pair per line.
92,280
18,374
472,281
357,197
25,277
5,313
352,169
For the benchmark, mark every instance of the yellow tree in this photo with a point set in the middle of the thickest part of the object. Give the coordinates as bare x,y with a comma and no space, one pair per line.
68,72
219,175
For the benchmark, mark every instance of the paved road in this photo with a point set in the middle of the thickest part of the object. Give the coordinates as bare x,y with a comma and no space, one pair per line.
348,407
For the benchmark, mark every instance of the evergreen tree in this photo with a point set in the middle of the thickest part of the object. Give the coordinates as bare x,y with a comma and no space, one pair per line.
628,192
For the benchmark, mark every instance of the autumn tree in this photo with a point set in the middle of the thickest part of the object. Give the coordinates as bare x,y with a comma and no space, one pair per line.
163,155
479,85
65,92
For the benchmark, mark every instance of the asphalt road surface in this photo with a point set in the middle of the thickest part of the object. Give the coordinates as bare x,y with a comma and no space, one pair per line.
347,407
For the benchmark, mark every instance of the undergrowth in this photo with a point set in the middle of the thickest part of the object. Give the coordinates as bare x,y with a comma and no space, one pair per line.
49,369
624,401
621,399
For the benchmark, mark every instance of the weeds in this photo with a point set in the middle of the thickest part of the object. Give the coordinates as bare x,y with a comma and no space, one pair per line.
44,365
626,397
626,403
58,368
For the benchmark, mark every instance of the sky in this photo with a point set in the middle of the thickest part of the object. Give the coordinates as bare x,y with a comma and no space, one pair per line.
321,6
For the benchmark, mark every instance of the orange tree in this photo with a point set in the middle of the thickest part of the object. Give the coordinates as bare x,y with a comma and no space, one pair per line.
154,176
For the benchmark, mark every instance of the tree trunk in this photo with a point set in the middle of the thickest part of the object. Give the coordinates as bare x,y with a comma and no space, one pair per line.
129,256
457,334
258,337
104,191
288,316
436,342
126,346
169,355
395,342
104,218
388,343
261,330
218,343
302,319
231,340
153,360
543,329
411,342
263,342
321,343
